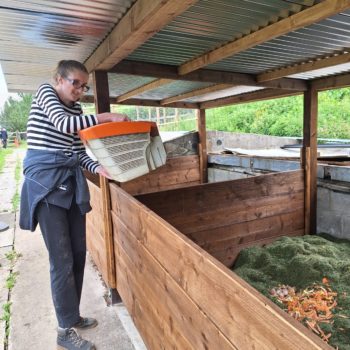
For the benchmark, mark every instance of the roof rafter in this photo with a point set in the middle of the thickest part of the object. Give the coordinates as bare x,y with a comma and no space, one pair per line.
197,92
147,87
305,67
143,20
260,95
203,75
333,82
301,19
143,102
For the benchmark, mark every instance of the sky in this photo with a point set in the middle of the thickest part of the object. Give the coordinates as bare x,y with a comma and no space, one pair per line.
3,90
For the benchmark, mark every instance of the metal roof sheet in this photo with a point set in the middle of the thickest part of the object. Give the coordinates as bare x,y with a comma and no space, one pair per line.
236,90
323,72
209,24
328,36
35,35
119,84
172,89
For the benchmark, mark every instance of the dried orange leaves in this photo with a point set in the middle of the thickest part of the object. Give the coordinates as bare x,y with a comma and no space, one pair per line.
312,306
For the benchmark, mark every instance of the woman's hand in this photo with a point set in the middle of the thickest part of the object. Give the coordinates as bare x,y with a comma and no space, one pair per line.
102,171
112,117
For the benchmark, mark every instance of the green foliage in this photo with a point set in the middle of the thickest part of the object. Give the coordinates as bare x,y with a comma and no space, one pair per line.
16,197
284,116
12,256
6,312
3,154
15,113
11,280
183,125
6,316
279,117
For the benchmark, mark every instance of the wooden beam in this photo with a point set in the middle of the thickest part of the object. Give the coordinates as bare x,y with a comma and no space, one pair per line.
202,146
334,82
203,75
102,104
143,102
260,95
310,160
304,67
147,87
197,92
141,22
301,19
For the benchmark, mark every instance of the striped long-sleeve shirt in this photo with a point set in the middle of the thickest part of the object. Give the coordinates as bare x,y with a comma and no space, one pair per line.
54,126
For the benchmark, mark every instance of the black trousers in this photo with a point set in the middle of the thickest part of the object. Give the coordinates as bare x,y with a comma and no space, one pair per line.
64,234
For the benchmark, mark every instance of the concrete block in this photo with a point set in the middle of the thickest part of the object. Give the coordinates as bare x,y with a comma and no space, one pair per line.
323,198
345,227
329,222
340,202
216,175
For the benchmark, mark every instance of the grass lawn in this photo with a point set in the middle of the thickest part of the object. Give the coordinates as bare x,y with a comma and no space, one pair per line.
3,154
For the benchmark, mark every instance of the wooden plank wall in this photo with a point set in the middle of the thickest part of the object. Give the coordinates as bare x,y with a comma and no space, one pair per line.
95,238
180,297
177,172
225,217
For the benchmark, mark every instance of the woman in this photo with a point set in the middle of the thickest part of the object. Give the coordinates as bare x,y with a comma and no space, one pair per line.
55,192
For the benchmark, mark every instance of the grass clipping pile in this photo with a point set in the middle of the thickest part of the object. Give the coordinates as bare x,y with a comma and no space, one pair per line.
309,277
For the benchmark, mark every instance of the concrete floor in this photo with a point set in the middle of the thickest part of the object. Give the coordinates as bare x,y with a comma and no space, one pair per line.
33,322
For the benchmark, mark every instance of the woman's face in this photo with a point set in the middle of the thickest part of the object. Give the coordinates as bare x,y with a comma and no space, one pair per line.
72,87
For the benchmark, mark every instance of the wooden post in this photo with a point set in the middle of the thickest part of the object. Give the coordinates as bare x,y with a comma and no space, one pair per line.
150,113
310,160
137,113
202,147
177,118
158,115
102,104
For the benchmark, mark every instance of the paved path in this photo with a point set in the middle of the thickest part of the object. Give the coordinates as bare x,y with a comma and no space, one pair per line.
33,323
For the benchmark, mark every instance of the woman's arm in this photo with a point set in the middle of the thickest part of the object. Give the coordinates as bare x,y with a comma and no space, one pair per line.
48,100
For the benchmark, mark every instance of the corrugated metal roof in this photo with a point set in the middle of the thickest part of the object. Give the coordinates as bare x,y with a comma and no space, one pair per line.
324,72
209,24
37,34
172,89
223,93
119,84
325,37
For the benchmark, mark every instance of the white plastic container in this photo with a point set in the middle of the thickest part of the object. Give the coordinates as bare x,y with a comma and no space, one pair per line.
126,150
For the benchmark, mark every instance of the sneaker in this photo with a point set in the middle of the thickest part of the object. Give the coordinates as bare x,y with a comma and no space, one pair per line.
86,323
69,339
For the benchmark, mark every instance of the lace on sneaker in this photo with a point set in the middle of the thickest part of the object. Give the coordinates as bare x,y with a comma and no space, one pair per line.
75,338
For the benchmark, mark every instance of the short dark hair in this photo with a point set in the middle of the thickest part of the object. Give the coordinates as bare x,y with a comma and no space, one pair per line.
64,67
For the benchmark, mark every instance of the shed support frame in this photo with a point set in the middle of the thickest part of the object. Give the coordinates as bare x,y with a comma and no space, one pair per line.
101,98
309,159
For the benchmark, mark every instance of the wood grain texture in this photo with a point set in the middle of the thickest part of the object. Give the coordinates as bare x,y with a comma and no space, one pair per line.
177,172
310,159
95,231
165,299
244,317
225,217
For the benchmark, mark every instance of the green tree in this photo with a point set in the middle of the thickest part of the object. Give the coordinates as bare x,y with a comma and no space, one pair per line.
15,113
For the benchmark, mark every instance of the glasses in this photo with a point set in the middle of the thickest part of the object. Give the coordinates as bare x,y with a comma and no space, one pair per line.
77,85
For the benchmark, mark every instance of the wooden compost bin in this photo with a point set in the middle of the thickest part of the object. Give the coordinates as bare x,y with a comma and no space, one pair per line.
179,293
178,172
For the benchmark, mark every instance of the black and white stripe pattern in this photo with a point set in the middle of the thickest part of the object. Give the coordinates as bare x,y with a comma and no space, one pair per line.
54,126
